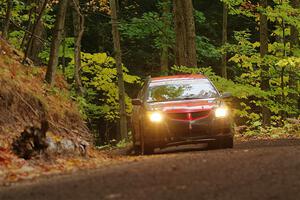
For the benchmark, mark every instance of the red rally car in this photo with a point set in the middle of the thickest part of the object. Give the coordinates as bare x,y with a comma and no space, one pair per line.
181,109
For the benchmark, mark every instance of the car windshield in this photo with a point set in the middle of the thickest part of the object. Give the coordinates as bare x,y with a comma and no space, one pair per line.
173,90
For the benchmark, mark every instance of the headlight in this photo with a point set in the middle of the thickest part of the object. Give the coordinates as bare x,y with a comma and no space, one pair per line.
221,112
156,116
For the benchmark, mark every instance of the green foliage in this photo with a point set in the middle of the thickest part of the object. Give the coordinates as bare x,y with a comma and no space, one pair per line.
66,50
247,63
248,97
240,7
199,17
283,11
288,129
205,49
14,37
151,25
20,16
99,77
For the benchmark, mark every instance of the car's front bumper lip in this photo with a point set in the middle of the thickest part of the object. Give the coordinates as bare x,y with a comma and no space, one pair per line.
187,131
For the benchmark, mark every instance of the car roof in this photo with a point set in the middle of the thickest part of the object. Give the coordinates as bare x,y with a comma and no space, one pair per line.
178,77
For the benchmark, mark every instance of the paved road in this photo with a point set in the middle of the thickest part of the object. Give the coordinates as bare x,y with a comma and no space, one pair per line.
252,170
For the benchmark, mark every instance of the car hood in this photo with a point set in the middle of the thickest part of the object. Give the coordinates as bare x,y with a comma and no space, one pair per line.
184,106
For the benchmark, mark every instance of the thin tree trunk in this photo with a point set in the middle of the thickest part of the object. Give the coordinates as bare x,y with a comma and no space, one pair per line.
164,59
224,39
63,59
78,23
37,45
118,57
191,34
264,68
29,26
56,40
7,19
284,56
40,32
40,11
185,52
180,57
293,96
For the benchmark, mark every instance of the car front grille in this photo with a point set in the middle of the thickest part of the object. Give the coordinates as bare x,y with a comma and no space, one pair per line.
200,114
181,116
189,116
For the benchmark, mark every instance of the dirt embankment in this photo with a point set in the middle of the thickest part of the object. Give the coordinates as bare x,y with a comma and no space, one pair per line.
25,100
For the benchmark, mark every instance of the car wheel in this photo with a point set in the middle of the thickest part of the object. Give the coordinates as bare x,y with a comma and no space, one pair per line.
135,146
221,143
212,145
226,142
147,148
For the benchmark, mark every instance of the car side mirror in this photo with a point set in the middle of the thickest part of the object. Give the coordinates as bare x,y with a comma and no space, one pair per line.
136,102
226,95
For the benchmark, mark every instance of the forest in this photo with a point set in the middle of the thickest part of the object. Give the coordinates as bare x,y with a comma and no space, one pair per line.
105,49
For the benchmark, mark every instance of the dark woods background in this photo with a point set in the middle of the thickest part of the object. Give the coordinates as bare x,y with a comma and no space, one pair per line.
256,60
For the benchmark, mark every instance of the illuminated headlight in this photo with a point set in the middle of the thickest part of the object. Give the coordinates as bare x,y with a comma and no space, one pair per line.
156,117
221,112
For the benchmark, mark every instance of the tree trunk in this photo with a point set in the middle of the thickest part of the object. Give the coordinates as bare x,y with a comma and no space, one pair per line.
164,59
78,23
37,45
63,58
29,26
37,30
224,40
185,51
56,40
5,30
264,68
293,96
118,57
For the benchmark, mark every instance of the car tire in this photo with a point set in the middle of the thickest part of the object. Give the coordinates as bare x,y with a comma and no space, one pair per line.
221,143
136,147
212,145
147,148
226,142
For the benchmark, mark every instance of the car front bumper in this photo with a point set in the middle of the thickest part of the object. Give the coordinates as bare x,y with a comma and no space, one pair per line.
184,131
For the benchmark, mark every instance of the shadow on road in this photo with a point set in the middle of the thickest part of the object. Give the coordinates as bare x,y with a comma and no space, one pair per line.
251,144
266,143
182,149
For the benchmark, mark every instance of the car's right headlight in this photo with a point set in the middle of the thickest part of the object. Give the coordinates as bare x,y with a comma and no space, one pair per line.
221,112
155,117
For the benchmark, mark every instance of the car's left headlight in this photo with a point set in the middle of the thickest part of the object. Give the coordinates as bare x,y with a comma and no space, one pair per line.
155,117
221,112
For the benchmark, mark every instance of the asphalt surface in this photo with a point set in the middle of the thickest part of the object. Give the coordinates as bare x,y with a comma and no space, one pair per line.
252,170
